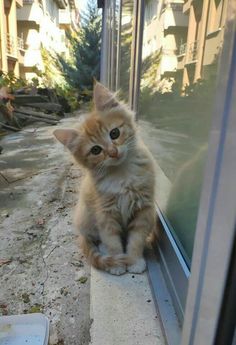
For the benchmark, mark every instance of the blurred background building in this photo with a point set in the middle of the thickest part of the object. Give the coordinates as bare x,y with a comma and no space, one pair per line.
184,36
28,26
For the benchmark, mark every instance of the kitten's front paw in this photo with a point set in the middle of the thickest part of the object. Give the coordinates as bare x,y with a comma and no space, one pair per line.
117,270
138,267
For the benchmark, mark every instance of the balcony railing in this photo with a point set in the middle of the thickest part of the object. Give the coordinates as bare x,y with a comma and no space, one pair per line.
182,49
28,2
20,43
61,4
64,17
177,7
192,51
10,44
166,51
174,7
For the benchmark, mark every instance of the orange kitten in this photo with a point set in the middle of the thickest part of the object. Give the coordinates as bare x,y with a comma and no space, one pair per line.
116,204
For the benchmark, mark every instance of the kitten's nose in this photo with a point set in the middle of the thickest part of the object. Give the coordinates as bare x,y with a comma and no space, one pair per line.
113,152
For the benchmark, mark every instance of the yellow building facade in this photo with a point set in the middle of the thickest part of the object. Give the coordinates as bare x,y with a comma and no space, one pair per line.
186,36
11,44
205,32
27,26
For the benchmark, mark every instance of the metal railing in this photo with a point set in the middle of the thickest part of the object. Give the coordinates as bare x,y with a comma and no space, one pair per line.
167,51
10,44
182,49
173,6
28,2
192,51
20,43
176,7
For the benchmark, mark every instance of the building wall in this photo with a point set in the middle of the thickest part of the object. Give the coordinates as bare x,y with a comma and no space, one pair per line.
163,29
27,26
204,38
9,45
39,22
188,38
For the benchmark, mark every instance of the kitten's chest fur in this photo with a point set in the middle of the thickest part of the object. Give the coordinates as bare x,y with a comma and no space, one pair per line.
127,190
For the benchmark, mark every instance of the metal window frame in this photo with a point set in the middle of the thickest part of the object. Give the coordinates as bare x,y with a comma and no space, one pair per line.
174,268
113,48
117,81
103,49
138,55
104,46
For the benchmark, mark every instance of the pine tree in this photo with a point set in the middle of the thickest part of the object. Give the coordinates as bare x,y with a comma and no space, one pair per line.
86,47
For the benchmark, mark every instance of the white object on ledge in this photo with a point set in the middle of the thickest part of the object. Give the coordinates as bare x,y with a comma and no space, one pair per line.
27,329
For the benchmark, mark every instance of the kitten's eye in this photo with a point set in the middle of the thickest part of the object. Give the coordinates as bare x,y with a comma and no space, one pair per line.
95,150
114,133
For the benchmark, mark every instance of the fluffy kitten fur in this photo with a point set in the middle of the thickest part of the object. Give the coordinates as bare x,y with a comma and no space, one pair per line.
116,204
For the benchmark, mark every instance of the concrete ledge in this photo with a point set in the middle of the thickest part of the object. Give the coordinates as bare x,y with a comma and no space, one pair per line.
122,311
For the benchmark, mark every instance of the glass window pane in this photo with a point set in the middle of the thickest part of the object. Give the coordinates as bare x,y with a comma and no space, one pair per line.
178,78
125,47
113,42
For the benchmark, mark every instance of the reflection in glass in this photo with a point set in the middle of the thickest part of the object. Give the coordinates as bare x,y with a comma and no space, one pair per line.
113,38
178,77
125,47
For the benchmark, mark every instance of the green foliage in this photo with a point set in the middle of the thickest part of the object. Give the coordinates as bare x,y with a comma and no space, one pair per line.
163,108
84,66
73,77
70,94
53,78
11,81
149,69
125,55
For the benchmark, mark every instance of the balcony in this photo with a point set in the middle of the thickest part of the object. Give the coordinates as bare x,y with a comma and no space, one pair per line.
64,17
192,52
30,12
72,4
167,51
14,45
19,3
173,16
61,4
189,51
174,6
20,43
182,49
187,54
11,46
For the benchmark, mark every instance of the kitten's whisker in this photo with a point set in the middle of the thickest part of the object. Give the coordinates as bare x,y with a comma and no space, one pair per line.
131,145
100,170
130,139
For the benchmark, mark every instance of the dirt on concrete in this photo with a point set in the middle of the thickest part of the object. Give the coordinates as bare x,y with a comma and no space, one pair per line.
41,266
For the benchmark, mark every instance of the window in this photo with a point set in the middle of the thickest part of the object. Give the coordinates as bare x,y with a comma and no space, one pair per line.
176,121
186,112
127,22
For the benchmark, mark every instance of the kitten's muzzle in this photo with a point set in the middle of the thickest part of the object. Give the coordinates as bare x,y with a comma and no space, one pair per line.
113,152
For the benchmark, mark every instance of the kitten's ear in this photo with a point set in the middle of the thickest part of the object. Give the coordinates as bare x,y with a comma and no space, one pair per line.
68,137
103,98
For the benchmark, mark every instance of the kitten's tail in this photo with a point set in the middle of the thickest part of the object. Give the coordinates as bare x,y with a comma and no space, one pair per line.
99,260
